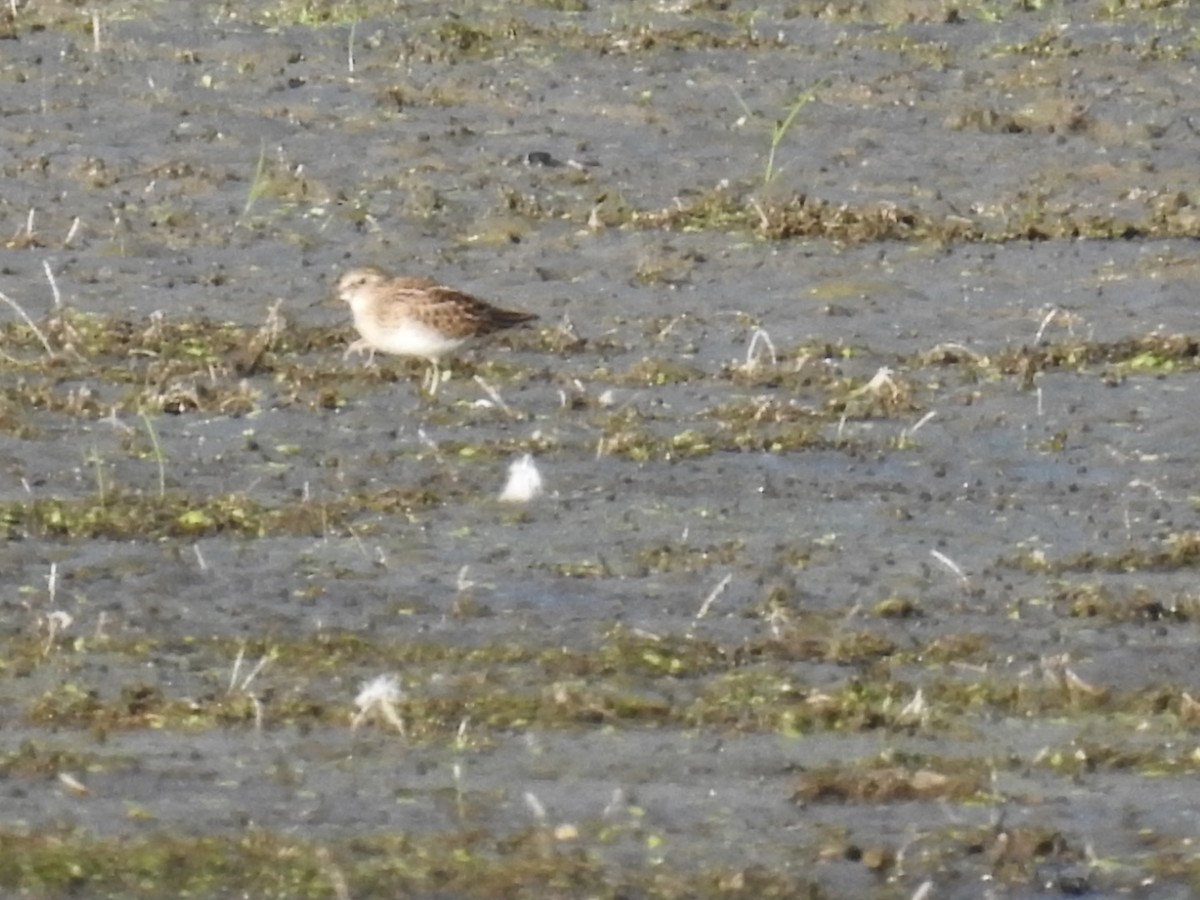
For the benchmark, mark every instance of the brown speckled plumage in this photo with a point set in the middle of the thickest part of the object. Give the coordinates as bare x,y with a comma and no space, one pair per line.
417,316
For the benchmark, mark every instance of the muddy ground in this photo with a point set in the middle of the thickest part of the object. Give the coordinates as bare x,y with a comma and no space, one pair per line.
866,561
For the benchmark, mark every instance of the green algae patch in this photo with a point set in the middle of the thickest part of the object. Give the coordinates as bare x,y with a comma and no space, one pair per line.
130,515
470,698
36,759
801,217
470,863
146,706
895,781
75,862
1177,551
1148,355
680,558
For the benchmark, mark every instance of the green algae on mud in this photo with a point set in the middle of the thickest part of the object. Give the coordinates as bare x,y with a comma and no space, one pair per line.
537,861
115,514
630,680
805,218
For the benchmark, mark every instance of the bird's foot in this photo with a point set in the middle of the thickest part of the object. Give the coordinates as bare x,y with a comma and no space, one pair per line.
358,348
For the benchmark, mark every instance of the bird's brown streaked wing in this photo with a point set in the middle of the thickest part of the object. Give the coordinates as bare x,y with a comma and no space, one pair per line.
403,298
458,314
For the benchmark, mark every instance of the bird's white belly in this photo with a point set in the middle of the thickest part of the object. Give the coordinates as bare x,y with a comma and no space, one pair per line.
410,338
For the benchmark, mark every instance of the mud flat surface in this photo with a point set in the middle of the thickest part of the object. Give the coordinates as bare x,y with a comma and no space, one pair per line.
864,394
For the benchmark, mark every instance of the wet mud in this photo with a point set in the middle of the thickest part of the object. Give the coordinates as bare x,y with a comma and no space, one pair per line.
863,393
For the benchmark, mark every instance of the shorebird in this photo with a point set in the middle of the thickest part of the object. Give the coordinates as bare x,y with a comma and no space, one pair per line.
417,317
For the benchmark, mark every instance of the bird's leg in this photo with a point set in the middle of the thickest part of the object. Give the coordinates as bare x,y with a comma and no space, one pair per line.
433,375
360,347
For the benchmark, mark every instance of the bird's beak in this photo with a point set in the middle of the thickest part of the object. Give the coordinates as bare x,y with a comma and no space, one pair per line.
330,300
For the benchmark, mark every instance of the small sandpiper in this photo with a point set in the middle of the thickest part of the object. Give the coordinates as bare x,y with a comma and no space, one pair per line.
417,317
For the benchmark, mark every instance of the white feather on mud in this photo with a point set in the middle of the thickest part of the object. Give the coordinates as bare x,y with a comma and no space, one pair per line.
524,481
